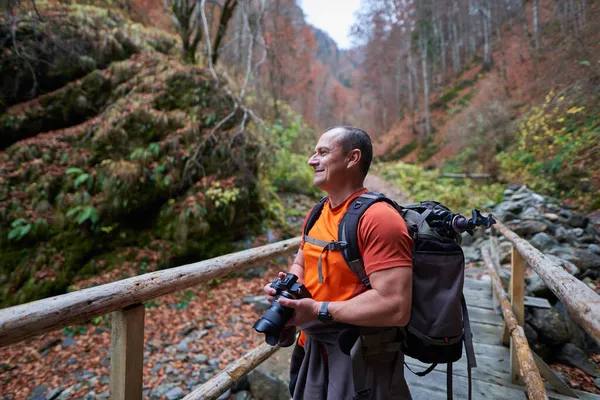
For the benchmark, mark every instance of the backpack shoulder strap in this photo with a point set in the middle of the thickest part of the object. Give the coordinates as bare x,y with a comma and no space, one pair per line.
348,231
314,215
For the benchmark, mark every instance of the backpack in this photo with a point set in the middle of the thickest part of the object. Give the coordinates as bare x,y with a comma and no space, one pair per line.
439,322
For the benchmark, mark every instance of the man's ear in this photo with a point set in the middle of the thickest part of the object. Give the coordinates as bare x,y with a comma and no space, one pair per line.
354,158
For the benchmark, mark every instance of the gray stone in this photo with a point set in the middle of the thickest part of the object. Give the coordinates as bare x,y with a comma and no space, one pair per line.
104,395
90,396
530,213
467,239
199,359
68,342
577,232
242,395
549,327
577,220
542,241
175,394
536,286
551,217
529,227
270,380
255,272
39,393
586,259
569,266
471,254
508,193
514,186
182,346
594,248
158,392
225,395
597,382
562,234
214,362
531,335
226,334
574,356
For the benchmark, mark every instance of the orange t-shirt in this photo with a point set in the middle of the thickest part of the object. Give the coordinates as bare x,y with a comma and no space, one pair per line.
383,241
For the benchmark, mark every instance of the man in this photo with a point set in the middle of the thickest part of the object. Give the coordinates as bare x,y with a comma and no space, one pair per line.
322,367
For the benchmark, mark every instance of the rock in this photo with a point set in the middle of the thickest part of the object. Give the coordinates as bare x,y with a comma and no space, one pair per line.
594,248
542,241
530,213
255,272
214,362
577,334
225,395
514,186
242,395
226,334
182,346
199,359
471,254
158,392
39,393
562,234
270,380
577,220
90,396
175,394
574,356
551,217
104,395
531,335
597,382
466,239
549,327
241,384
68,342
529,227
508,193
569,266
536,286
586,259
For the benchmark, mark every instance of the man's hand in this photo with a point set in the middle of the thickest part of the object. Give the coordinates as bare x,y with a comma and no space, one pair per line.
305,310
270,291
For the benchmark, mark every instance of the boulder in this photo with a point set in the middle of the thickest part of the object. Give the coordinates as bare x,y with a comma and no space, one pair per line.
270,380
549,327
528,228
574,356
542,241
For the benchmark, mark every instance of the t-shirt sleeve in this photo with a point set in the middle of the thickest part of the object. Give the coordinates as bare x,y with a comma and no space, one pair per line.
383,239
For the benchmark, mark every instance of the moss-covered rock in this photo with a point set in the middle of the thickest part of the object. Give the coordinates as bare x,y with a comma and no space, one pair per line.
65,44
137,179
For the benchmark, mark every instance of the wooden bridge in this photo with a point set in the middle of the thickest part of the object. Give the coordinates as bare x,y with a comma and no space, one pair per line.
512,372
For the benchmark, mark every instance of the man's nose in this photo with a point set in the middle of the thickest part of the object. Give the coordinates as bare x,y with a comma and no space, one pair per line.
312,161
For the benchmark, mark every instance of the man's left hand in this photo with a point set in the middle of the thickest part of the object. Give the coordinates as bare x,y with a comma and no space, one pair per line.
305,310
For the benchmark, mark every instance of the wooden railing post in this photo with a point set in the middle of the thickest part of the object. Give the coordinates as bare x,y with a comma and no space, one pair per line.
517,300
127,355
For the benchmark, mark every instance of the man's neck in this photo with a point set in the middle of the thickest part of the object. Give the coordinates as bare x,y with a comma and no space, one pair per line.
339,196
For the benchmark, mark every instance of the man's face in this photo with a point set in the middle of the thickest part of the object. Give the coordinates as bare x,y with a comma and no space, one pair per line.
329,161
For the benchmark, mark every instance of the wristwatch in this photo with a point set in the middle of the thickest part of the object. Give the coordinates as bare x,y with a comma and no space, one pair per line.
324,315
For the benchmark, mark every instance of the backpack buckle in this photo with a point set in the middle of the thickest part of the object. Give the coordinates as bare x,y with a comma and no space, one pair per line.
334,246
358,204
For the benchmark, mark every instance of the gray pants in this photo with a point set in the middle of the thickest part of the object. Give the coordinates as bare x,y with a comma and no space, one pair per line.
322,371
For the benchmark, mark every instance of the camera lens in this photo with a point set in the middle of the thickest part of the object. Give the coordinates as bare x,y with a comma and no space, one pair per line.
274,319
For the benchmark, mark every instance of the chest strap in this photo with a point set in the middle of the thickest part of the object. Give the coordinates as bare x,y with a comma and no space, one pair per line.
327,246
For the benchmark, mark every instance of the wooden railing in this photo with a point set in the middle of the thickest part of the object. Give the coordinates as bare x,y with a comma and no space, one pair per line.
124,299
583,305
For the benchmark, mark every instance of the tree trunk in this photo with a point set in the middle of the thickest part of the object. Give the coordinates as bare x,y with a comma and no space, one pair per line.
440,29
502,69
536,32
424,66
226,14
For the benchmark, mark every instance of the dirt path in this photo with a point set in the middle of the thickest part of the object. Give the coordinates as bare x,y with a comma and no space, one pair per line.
377,184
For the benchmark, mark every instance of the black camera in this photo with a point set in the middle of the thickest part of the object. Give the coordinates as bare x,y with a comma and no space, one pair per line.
275,318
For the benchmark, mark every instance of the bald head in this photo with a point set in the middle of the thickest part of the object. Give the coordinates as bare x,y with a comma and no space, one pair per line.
354,138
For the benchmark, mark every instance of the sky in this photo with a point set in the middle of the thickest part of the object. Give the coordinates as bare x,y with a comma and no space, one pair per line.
333,16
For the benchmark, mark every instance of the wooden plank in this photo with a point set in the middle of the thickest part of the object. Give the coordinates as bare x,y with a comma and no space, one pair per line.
127,353
225,379
481,390
582,302
32,319
517,293
537,302
478,285
484,316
